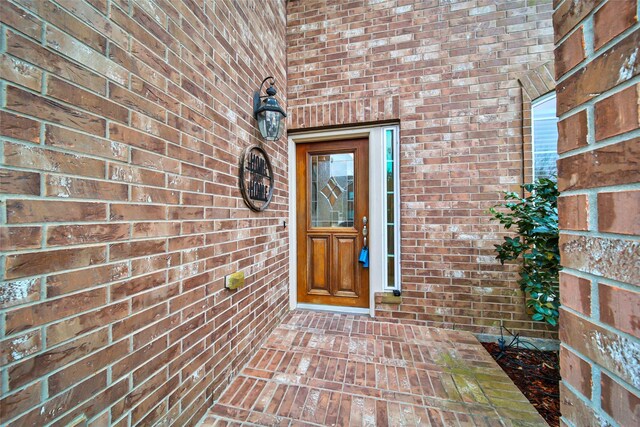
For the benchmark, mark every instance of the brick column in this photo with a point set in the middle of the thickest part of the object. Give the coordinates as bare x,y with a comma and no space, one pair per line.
597,65
121,128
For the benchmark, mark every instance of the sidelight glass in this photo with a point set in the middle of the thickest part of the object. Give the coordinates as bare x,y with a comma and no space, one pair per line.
391,206
332,190
545,136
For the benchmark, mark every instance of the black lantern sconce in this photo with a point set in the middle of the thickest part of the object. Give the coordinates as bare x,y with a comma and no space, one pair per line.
268,112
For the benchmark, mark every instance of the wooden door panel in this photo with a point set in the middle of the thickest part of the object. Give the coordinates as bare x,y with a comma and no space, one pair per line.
318,279
332,200
345,257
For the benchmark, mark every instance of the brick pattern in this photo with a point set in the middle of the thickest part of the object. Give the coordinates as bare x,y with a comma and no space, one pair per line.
450,73
121,125
599,210
319,369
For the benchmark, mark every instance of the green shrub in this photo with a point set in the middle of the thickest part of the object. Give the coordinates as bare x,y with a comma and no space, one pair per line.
535,218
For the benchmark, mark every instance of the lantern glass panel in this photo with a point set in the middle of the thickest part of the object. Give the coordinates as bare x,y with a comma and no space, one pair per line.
281,128
269,124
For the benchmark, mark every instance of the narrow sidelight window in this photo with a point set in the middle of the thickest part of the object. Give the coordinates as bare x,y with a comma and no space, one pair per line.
392,209
545,136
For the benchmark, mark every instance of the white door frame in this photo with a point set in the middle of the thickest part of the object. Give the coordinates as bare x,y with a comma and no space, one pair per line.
377,216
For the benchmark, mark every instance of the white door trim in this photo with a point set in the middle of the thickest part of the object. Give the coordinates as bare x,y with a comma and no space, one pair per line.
333,308
377,251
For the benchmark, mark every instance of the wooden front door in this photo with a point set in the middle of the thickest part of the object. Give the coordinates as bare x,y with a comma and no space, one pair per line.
332,202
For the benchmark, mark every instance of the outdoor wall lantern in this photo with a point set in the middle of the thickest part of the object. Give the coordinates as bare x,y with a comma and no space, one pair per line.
268,112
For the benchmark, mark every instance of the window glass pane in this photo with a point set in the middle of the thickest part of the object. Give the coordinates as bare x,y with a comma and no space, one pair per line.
545,137
389,158
546,109
332,195
390,240
545,164
390,208
545,133
391,271
389,143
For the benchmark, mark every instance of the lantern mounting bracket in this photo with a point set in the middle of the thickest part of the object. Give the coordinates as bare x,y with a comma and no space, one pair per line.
257,97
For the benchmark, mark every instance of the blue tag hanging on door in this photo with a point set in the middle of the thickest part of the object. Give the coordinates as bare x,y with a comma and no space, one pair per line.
364,257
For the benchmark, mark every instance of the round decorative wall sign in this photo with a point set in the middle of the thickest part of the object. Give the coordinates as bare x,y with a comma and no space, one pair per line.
256,178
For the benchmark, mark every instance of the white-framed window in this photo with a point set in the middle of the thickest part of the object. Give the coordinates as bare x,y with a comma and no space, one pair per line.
392,206
544,136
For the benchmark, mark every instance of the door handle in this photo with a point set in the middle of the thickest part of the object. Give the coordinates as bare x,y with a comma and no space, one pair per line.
365,232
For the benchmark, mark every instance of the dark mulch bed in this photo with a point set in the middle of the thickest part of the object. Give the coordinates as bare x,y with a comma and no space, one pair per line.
537,375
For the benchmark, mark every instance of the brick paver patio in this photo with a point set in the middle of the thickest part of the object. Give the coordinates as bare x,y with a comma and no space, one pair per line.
345,370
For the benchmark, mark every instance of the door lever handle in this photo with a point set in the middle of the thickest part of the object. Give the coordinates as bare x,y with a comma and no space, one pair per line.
365,232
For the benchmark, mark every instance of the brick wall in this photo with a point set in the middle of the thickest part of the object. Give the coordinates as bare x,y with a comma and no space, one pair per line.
598,62
121,125
449,72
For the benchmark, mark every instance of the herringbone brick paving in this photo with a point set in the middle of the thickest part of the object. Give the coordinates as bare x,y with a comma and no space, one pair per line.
345,370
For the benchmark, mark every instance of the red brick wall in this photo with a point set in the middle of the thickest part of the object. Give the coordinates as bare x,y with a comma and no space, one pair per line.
449,72
599,177
121,125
